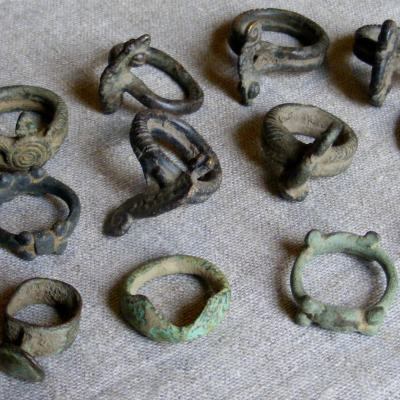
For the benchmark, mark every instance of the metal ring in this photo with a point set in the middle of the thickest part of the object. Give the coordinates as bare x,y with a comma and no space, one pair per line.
26,340
330,154
378,45
28,245
257,57
35,140
169,185
118,78
366,321
140,313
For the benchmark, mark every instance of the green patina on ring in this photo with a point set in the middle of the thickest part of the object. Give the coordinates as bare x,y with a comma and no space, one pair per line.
34,143
341,319
140,313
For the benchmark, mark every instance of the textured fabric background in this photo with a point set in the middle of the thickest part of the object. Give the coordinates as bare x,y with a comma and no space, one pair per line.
252,235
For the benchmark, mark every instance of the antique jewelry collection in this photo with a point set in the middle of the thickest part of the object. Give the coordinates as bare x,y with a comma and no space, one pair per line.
43,125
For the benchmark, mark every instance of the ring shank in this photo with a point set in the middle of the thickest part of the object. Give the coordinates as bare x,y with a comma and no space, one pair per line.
176,265
42,340
312,37
283,122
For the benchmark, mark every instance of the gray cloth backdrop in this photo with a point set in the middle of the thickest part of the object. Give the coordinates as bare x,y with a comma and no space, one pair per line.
252,235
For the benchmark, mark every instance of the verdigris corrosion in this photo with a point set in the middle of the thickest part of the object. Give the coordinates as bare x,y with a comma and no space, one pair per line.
363,320
34,142
119,77
378,46
28,245
169,184
257,57
24,340
140,313
331,152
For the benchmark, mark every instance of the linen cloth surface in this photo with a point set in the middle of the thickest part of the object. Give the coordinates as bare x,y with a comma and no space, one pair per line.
251,234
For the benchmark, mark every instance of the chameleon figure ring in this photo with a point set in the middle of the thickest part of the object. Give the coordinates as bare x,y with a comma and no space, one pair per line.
366,321
24,340
378,45
34,142
329,154
28,245
141,314
169,186
118,78
257,57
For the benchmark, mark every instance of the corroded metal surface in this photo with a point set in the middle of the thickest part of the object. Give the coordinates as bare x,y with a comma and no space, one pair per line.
28,245
257,57
378,46
119,77
363,320
24,340
34,143
169,186
331,152
143,316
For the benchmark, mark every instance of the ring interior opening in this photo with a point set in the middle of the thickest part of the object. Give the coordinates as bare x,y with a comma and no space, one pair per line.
280,39
10,122
33,103
55,294
172,139
171,267
309,121
344,279
159,81
26,212
294,26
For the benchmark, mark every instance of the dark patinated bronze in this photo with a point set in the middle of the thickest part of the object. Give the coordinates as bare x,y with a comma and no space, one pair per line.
24,340
378,46
257,57
34,142
329,154
28,245
169,185
118,78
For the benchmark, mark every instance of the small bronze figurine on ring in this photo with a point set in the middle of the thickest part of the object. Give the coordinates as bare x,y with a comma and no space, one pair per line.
257,57
169,186
118,78
330,153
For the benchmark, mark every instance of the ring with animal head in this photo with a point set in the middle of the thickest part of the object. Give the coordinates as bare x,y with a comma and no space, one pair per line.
330,153
119,77
257,57
169,184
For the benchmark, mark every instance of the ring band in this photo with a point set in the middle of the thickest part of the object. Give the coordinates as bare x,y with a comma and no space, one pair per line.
379,46
33,145
28,245
26,340
169,186
118,78
140,313
330,154
257,57
366,321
